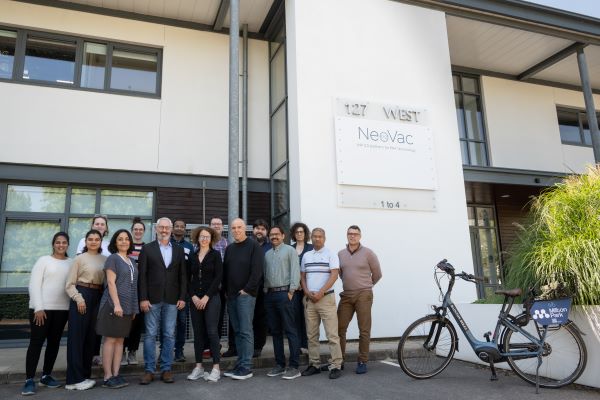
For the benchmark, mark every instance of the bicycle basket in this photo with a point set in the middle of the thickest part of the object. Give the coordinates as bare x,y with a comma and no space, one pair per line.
551,312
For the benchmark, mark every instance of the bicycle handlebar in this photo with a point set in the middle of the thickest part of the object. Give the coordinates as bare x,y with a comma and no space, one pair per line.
448,268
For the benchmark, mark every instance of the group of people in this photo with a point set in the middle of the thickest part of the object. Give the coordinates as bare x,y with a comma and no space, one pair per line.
116,288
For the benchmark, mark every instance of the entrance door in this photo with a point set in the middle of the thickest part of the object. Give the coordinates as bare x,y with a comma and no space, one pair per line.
485,249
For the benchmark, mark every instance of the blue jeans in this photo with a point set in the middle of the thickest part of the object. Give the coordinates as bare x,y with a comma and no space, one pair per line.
161,317
280,317
241,312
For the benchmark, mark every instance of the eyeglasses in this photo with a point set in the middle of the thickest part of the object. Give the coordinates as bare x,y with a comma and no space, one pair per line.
204,237
353,234
299,232
163,228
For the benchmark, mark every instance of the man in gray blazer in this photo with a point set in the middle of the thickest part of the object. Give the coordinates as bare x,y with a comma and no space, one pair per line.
162,290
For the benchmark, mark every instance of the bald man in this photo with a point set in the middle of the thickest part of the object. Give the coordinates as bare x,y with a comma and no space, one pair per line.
242,274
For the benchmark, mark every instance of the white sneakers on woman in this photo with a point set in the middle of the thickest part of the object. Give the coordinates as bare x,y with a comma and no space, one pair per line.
214,375
196,374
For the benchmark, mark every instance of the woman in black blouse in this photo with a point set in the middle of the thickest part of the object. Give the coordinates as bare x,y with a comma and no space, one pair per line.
206,273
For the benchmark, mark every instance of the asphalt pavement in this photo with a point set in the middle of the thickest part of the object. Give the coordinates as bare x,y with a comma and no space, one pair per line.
385,380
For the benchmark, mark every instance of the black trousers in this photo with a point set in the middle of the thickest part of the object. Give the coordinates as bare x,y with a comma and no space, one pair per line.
259,324
82,336
51,333
132,342
206,325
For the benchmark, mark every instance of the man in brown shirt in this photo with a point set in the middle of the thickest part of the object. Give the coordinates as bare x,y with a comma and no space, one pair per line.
360,271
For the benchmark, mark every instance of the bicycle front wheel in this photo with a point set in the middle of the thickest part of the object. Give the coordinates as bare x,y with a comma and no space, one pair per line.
563,359
427,347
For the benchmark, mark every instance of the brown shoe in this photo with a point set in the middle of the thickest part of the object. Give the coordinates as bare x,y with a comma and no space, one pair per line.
167,377
147,378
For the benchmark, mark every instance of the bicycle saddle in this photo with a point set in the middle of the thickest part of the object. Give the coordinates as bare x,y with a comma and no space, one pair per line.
510,292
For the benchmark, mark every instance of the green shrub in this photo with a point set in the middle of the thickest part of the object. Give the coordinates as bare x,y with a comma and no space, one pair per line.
561,243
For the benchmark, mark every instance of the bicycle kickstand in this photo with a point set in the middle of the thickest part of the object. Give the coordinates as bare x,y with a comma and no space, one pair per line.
494,377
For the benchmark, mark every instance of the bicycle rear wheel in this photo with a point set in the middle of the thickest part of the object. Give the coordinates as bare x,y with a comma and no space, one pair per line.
563,359
427,347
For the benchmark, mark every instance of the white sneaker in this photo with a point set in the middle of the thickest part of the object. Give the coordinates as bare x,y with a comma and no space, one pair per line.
214,375
83,385
196,374
124,359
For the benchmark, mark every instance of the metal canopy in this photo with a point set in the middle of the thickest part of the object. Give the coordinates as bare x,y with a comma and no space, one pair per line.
206,15
519,54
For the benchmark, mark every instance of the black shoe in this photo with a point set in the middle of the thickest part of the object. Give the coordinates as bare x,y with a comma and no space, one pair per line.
311,370
179,357
325,367
256,353
335,373
229,353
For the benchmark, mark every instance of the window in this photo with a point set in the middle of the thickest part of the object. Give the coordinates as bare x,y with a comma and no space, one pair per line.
280,208
574,127
32,214
469,114
485,248
8,41
67,61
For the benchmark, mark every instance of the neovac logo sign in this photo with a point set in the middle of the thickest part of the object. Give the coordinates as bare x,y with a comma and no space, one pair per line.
383,145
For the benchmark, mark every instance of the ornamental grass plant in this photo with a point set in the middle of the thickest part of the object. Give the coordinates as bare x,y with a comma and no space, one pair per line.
560,246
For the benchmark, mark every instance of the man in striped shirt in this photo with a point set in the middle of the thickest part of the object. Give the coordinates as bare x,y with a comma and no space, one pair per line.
319,271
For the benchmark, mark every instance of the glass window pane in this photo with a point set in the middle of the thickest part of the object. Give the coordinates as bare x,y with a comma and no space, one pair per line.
49,60
83,201
116,224
477,154
489,255
278,138
94,65
134,71
125,202
280,191
36,199
78,227
485,217
568,124
464,152
460,115
8,40
24,243
278,78
474,121
471,215
456,82
470,85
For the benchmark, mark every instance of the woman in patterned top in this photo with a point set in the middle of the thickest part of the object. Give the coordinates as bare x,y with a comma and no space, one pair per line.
118,307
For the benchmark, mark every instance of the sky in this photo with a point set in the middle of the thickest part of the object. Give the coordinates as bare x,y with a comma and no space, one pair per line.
585,7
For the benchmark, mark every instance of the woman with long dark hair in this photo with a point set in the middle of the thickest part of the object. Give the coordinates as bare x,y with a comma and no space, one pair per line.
206,274
99,223
84,286
118,306
48,311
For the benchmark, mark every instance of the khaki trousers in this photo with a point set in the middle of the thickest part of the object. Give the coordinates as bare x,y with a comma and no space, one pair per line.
324,310
361,303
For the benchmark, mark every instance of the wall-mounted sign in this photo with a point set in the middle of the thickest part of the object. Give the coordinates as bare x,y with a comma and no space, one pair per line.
383,145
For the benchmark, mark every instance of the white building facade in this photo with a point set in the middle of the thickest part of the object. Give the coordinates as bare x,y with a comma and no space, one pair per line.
427,123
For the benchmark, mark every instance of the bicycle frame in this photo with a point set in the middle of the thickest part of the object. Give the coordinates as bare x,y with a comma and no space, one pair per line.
490,350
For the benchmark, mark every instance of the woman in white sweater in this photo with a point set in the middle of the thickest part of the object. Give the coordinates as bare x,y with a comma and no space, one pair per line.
48,311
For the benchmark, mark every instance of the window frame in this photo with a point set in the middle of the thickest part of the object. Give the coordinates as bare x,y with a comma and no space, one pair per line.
581,118
479,99
19,62
64,216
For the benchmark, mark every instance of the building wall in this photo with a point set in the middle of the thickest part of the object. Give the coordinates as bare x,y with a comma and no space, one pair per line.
185,131
522,126
380,51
